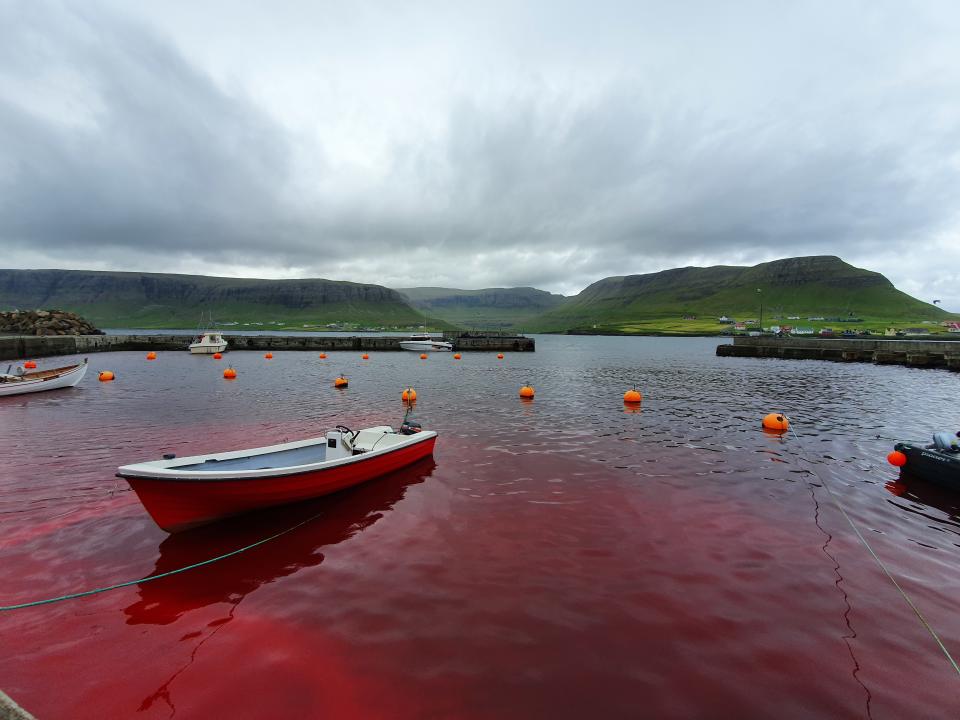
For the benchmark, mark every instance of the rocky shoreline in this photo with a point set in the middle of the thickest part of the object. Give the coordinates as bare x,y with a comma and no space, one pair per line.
45,322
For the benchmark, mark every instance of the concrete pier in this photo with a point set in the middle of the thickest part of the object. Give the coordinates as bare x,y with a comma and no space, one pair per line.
15,347
881,351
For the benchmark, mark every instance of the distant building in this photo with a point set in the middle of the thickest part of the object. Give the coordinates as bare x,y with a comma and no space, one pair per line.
916,331
739,326
802,331
793,317
725,320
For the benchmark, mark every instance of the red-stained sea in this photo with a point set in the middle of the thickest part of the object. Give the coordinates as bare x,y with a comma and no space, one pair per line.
567,557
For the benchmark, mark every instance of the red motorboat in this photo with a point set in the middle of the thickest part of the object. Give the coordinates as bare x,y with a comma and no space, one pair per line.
180,493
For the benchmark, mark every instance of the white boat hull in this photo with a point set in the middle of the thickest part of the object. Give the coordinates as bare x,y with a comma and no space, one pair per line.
202,349
423,346
68,378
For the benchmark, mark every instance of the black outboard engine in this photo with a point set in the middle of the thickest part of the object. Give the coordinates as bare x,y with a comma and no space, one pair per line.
410,427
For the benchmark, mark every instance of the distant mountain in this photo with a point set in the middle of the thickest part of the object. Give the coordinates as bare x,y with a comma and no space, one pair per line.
490,308
806,286
153,300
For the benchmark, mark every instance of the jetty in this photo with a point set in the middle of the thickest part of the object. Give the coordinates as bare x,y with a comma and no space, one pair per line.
880,351
15,347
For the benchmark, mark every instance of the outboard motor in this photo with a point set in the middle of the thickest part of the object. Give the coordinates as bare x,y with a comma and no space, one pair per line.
410,427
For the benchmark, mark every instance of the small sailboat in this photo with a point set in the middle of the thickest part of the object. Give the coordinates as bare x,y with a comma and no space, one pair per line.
180,493
28,382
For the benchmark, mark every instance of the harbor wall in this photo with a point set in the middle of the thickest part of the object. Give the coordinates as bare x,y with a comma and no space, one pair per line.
15,347
912,353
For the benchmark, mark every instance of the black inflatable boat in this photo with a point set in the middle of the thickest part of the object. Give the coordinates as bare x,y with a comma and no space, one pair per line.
937,463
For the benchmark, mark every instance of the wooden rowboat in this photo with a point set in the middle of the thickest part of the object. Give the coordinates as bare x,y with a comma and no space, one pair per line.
39,380
180,493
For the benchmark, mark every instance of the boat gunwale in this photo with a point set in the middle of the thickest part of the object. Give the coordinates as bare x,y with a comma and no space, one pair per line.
161,470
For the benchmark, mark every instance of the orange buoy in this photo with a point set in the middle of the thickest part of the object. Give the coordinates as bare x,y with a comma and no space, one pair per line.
632,396
409,395
365,357
776,421
217,356
456,356
269,356
897,458
323,356
230,374
526,392
151,355
340,382
105,376
30,365
423,356
499,356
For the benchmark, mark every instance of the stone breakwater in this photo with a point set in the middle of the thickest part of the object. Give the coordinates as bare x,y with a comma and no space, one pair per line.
913,353
45,323
17,347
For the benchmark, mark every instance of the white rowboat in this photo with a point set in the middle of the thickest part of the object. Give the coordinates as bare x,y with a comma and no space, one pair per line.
40,380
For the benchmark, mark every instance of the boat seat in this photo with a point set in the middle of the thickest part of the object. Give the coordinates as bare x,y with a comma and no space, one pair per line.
946,442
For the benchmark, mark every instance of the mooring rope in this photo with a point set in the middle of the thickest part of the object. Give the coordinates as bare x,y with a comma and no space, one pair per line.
149,578
873,554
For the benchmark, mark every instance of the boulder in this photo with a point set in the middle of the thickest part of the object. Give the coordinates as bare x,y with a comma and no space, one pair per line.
45,322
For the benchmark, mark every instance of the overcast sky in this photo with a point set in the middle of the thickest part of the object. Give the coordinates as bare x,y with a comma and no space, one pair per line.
543,143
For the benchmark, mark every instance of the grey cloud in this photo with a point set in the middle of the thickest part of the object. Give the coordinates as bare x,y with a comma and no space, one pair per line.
140,156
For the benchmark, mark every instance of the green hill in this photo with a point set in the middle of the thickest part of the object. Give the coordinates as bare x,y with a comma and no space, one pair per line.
817,286
153,300
489,308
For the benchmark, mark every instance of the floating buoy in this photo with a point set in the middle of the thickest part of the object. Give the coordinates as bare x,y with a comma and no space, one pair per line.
323,356
30,365
499,356
897,458
409,395
217,356
105,376
365,357
632,396
456,356
151,355
340,382
776,421
423,356
269,356
230,374
526,392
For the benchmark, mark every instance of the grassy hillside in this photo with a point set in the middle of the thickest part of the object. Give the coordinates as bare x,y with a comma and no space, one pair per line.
153,300
489,308
808,286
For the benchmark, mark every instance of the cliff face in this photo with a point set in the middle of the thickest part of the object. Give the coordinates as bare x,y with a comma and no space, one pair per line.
109,297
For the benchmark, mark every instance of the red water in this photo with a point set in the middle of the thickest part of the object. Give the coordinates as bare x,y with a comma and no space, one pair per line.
560,558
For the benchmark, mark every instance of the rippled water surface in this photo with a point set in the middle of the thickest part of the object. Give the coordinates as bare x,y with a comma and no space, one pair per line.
562,558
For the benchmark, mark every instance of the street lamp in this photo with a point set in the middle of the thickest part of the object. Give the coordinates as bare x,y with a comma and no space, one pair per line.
760,295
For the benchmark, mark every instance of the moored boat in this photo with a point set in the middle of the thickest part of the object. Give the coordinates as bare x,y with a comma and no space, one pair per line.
208,343
426,343
938,463
52,379
180,493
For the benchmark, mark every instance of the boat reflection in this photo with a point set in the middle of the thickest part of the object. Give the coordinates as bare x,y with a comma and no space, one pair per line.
342,516
920,491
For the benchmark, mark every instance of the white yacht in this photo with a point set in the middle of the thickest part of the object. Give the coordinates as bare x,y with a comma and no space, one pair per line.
424,342
208,343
